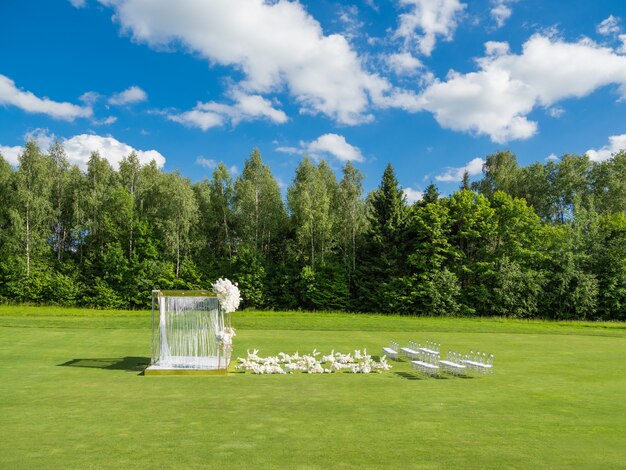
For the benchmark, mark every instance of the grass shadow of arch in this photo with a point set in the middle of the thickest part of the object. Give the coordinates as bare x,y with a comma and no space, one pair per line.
128,363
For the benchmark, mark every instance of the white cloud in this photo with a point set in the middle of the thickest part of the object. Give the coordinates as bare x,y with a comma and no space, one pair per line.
27,101
501,11
412,195
245,108
404,63
622,47
274,44
552,158
609,26
486,103
131,95
336,146
349,18
90,97
233,170
555,111
290,150
106,121
496,48
197,118
43,137
78,3
79,148
333,145
206,162
450,175
496,100
616,144
430,17
10,154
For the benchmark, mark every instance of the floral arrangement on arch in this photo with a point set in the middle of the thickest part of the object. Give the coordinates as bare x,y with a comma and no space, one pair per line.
357,363
229,296
227,293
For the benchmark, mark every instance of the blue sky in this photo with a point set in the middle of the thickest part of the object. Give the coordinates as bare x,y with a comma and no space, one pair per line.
432,86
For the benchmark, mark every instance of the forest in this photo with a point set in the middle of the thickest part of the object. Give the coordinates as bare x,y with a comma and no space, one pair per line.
546,240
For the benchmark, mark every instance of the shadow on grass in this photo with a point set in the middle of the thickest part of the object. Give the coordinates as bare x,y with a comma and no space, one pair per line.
129,364
407,376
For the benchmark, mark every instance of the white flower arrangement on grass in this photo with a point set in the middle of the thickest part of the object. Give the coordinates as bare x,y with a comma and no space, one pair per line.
228,294
359,363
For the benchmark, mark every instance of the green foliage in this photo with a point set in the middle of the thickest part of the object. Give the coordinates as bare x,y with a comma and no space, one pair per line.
250,275
517,290
101,295
545,240
325,289
441,293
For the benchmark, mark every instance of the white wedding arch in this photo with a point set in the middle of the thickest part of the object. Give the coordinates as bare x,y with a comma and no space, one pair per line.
191,333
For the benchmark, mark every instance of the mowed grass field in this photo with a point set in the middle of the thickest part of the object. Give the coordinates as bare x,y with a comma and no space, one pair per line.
71,396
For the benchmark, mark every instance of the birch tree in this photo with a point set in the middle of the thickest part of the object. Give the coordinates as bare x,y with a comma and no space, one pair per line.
32,212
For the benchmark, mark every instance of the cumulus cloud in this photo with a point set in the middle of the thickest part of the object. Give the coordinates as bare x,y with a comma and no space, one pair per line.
496,100
43,137
501,11
426,20
276,45
78,3
609,26
197,117
10,154
452,174
616,144
333,145
245,108
10,94
79,148
131,95
412,195
404,63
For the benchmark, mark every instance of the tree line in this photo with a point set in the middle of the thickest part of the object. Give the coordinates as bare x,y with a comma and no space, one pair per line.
546,240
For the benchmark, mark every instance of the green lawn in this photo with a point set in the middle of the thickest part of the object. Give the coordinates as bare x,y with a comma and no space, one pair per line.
71,396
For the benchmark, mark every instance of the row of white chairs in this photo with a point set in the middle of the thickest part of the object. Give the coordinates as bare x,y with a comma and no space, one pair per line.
427,363
479,362
427,360
413,349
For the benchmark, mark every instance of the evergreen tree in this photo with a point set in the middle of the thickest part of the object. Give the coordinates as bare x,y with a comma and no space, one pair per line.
431,195
383,246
